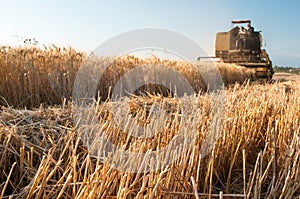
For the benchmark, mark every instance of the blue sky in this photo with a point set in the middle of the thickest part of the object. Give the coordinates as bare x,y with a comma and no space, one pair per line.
86,24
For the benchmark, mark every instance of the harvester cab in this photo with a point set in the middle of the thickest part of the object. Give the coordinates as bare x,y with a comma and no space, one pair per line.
243,46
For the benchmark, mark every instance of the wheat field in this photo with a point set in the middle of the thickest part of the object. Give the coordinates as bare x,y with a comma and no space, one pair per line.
32,76
43,154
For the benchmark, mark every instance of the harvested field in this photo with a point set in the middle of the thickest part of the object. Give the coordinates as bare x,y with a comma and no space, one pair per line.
44,155
286,77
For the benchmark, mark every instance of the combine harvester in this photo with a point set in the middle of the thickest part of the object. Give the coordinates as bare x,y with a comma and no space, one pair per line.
243,47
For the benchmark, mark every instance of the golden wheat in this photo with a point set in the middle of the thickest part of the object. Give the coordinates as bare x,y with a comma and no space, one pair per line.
32,76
